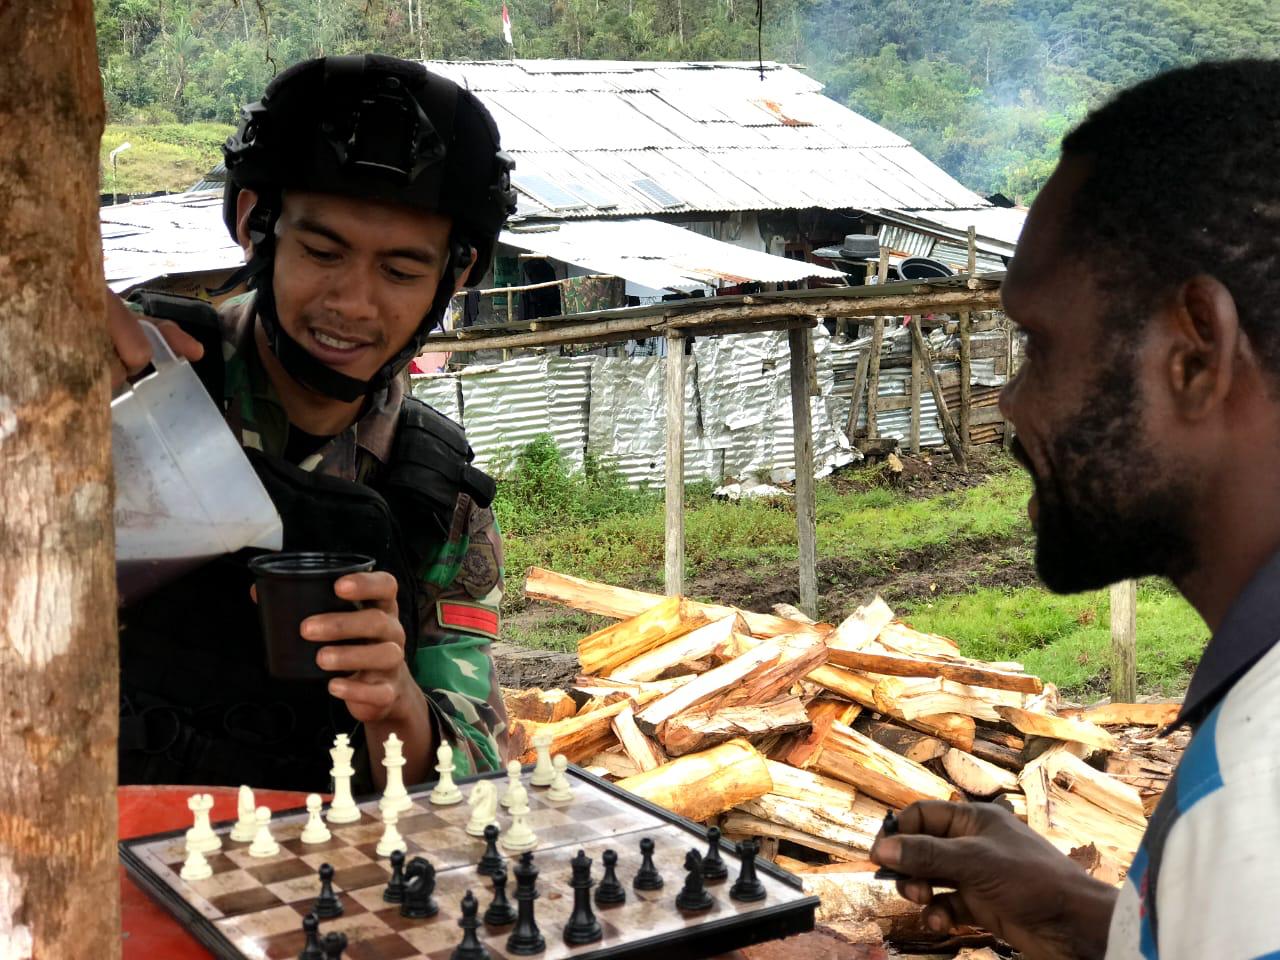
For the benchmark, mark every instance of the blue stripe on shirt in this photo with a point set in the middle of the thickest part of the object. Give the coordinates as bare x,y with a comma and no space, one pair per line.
1199,773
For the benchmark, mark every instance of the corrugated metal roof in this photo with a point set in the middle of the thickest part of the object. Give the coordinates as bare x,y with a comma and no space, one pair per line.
997,228
711,134
661,256
180,233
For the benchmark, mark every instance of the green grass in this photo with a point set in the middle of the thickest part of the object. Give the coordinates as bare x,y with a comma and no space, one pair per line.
1067,639
163,156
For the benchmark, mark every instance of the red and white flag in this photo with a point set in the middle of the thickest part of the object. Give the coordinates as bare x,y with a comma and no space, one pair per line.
506,26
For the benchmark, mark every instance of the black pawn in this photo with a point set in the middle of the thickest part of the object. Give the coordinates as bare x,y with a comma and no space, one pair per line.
327,905
500,912
647,877
492,860
395,886
610,892
713,867
694,896
419,885
888,829
311,927
526,939
334,944
470,948
748,888
583,927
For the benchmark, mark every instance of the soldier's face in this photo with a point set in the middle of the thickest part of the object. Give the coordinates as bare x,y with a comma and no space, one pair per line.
354,278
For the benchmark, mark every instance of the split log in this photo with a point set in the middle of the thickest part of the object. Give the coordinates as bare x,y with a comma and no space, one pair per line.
615,765
912,698
643,752
587,689
701,728
955,729
621,603
897,637
849,756
801,868
612,646
737,824
1000,737
976,777
1015,803
997,754
796,661
578,737
853,833
693,646
862,627
798,750
966,673
788,612
1063,794
701,785
805,785
1127,714
911,744
1058,728
849,891
540,706
708,685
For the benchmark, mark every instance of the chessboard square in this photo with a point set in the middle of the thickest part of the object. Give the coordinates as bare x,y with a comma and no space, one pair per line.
418,823
306,887
351,907
366,875
428,936
360,833
262,929
370,897
297,847
172,851
248,900
280,870
242,859
340,859
390,946
218,885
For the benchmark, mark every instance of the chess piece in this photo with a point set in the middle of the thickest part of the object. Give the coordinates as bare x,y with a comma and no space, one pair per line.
247,822
543,771
888,829
610,892
391,839
327,905
694,897
315,831
500,912
526,939
446,792
560,791
748,888
201,836
513,781
342,809
264,845
647,877
311,950
334,944
196,867
583,927
470,948
713,867
395,797
519,836
491,862
419,885
484,807
394,893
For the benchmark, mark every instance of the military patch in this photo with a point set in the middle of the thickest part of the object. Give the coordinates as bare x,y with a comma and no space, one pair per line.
480,571
468,618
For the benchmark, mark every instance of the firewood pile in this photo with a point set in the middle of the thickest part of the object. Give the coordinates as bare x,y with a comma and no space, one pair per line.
805,734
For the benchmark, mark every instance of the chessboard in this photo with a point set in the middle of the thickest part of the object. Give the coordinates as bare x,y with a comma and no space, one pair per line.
253,907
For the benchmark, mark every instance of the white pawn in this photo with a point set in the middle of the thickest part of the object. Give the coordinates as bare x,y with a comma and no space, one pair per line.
395,797
513,781
201,836
446,792
391,839
543,772
484,807
519,836
315,831
247,824
264,845
560,791
196,867
342,809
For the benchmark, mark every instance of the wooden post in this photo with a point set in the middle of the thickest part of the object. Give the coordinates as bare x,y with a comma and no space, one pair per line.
59,880
966,377
675,463
877,341
920,357
1008,375
1124,641
806,504
914,389
859,385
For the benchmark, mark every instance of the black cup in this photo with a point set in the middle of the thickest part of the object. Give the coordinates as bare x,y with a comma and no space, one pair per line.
292,587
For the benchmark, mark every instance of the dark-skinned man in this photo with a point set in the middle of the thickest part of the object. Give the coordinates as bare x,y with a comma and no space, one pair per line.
1147,281
365,191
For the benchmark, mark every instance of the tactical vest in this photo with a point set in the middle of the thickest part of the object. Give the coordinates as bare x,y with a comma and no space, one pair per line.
197,704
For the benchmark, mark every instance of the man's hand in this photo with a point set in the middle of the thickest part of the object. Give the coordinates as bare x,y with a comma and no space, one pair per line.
1007,879
132,349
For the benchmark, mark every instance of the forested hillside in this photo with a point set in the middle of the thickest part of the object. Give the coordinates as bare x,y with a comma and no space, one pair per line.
986,88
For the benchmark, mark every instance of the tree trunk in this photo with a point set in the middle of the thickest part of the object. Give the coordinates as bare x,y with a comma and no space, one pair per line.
59,887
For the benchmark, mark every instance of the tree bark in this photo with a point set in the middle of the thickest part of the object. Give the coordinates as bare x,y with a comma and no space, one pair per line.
59,889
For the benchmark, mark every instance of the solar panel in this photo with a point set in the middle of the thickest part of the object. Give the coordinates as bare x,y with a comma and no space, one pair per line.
592,195
657,193
548,193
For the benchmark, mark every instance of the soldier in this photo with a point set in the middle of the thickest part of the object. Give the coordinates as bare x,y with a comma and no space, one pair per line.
365,191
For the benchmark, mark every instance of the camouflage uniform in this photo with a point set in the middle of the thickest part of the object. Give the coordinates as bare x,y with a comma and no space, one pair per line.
459,591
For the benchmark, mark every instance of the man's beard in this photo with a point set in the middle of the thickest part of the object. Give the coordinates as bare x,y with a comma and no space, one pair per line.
1111,509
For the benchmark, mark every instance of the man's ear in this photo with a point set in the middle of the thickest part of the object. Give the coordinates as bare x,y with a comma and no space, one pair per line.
1206,341
465,274
245,202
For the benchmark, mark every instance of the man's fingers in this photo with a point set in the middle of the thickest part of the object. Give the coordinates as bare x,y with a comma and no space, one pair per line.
917,891
927,858
368,624
374,697
945,912
181,342
130,342
380,657
377,588
940,818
